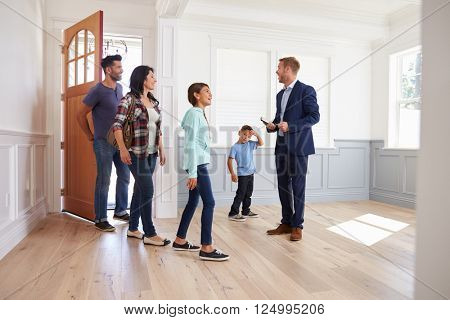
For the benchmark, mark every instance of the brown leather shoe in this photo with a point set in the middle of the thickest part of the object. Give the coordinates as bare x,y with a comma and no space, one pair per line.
281,229
296,234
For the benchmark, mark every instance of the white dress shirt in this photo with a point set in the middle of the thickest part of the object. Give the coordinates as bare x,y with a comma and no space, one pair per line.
284,101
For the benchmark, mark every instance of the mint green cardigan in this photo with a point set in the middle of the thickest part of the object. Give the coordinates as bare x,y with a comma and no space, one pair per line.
196,140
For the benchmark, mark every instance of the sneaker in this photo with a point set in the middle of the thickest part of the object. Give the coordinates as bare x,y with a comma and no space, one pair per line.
237,217
104,226
251,215
125,217
135,234
185,247
215,255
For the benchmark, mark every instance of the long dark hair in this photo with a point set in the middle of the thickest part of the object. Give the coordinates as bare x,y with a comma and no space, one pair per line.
137,80
195,88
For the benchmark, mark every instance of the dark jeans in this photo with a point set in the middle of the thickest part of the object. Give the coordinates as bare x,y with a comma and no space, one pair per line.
243,195
204,191
105,155
141,203
291,174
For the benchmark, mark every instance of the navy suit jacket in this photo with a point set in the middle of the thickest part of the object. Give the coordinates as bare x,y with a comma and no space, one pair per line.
302,112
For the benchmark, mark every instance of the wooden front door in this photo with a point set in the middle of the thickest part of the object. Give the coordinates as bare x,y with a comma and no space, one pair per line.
82,70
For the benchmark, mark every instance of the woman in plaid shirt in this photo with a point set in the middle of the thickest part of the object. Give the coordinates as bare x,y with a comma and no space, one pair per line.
145,145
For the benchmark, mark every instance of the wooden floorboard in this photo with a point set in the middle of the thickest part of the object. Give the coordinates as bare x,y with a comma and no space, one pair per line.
66,258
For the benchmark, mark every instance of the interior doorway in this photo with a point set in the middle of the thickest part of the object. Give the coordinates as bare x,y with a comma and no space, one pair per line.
130,48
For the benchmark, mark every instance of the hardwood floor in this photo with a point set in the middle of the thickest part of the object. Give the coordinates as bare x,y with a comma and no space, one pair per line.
66,258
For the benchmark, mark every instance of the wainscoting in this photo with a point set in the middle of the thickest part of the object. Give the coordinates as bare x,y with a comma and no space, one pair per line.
22,185
340,173
393,175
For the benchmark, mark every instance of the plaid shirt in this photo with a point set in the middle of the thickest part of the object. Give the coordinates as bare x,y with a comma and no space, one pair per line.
139,144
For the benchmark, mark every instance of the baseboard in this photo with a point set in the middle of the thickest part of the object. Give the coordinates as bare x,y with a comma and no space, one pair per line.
323,197
335,196
393,199
227,201
17,230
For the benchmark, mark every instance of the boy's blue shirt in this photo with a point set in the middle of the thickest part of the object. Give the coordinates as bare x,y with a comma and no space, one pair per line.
243,154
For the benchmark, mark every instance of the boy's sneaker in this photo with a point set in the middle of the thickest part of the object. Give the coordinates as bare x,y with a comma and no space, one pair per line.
215,255
251,215
104,226
125,217
237,217
185,247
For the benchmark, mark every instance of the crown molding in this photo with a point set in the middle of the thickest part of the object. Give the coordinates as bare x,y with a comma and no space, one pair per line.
171,8
272,33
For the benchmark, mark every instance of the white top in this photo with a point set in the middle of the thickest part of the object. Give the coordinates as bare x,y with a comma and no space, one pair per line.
284,100
153,117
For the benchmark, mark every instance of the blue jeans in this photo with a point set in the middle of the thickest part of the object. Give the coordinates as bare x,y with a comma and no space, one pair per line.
203,190
105,155
141,203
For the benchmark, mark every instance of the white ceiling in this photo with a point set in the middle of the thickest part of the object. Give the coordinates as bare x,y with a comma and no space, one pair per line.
364,7
365,20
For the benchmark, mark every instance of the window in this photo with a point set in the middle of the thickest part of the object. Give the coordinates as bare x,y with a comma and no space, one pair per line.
315,72
245,91
81,58
242,92
405,98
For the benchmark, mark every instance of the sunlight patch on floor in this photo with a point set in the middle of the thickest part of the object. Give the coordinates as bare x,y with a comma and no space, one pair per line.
368,229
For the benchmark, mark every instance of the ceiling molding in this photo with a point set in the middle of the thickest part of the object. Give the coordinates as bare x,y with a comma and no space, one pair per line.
341,31
171,8
268,33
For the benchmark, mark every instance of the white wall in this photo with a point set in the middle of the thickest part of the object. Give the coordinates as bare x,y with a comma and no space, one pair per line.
23,142
350,103
403,35
22,57
433,201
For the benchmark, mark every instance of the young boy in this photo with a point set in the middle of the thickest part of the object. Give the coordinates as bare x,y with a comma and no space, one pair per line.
242,152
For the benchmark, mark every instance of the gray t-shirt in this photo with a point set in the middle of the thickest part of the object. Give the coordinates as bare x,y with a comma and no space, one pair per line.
104,102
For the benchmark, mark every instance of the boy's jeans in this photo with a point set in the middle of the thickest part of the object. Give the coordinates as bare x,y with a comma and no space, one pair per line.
105,155
243,195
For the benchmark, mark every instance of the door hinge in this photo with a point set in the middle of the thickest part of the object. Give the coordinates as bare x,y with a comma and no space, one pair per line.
62,145
62,191
63,96
62,48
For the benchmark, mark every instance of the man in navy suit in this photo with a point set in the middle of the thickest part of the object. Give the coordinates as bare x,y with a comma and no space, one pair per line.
297,112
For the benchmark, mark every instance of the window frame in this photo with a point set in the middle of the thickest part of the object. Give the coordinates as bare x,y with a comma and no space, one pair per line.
395,96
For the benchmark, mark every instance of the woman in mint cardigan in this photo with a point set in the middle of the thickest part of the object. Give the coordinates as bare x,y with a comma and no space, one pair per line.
196,159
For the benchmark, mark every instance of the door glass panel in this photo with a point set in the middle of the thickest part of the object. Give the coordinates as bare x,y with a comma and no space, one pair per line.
72,49
81,38
80,71
90,42
90,68
71,74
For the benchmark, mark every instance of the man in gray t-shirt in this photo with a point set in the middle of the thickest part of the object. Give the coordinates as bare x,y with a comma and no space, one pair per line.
103,100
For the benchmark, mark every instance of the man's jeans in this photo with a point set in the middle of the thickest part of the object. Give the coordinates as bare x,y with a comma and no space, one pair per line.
105,155
203,190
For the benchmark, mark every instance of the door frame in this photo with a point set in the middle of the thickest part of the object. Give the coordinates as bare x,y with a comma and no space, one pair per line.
54,79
